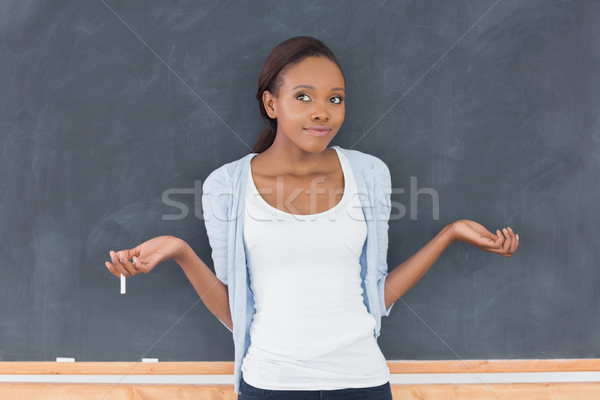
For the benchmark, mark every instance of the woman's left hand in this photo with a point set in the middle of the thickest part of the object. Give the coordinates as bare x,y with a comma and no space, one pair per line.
504,242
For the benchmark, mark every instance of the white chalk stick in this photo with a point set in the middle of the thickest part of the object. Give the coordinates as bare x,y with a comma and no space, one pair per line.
122,284
149,360
65,359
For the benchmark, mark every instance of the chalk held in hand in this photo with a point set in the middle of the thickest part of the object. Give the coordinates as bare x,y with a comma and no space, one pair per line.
122,284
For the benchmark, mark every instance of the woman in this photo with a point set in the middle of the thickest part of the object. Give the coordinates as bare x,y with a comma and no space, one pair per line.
298,232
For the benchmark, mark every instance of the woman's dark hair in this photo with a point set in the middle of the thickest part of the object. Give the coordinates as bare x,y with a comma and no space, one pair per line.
283,56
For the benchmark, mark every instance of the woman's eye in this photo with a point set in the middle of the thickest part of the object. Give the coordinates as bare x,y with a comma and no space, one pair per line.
335,97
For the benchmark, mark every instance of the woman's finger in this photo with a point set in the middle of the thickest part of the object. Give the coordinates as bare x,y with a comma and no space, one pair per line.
515,242
495,243
137,265
115,269
111,268
508,243
141,266
512,240
118,265
502,241
129,267
501,238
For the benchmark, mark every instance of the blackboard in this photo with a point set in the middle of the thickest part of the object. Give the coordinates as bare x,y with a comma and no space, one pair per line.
113,114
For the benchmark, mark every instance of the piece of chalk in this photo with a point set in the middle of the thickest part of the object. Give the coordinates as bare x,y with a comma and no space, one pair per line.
122,284
65,359
149,360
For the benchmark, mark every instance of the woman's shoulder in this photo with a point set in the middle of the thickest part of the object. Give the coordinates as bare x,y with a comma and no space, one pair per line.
365,161
226,173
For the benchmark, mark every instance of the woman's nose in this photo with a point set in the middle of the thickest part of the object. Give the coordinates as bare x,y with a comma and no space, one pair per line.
320,112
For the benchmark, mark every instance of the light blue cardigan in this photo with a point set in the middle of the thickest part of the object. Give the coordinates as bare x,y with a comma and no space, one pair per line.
223,195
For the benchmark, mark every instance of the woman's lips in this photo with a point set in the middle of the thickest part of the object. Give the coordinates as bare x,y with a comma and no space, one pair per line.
318,132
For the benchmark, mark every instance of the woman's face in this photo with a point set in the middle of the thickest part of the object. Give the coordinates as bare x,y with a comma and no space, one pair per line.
312,94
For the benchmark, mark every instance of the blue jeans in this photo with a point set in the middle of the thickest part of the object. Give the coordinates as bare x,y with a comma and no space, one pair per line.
381,392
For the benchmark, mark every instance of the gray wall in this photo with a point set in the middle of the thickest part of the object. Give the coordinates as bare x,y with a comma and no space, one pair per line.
107,106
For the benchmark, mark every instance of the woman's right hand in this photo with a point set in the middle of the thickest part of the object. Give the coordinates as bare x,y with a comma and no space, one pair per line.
144,257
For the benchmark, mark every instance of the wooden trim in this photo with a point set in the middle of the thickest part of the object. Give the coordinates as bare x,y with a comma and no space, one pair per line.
520,391
512,391
117,368
226,367
80,391
481,366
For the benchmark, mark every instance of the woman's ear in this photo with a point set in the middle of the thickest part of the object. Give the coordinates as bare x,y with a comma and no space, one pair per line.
269,103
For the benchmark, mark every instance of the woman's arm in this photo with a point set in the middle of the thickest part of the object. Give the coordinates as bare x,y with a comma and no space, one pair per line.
407,274
211,290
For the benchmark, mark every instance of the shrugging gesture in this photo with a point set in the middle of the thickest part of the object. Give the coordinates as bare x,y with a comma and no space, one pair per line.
402,278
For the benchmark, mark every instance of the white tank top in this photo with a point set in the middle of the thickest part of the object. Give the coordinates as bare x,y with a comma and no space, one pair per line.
311,329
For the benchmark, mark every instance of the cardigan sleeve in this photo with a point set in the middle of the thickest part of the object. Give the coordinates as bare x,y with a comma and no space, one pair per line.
215,213
383,210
